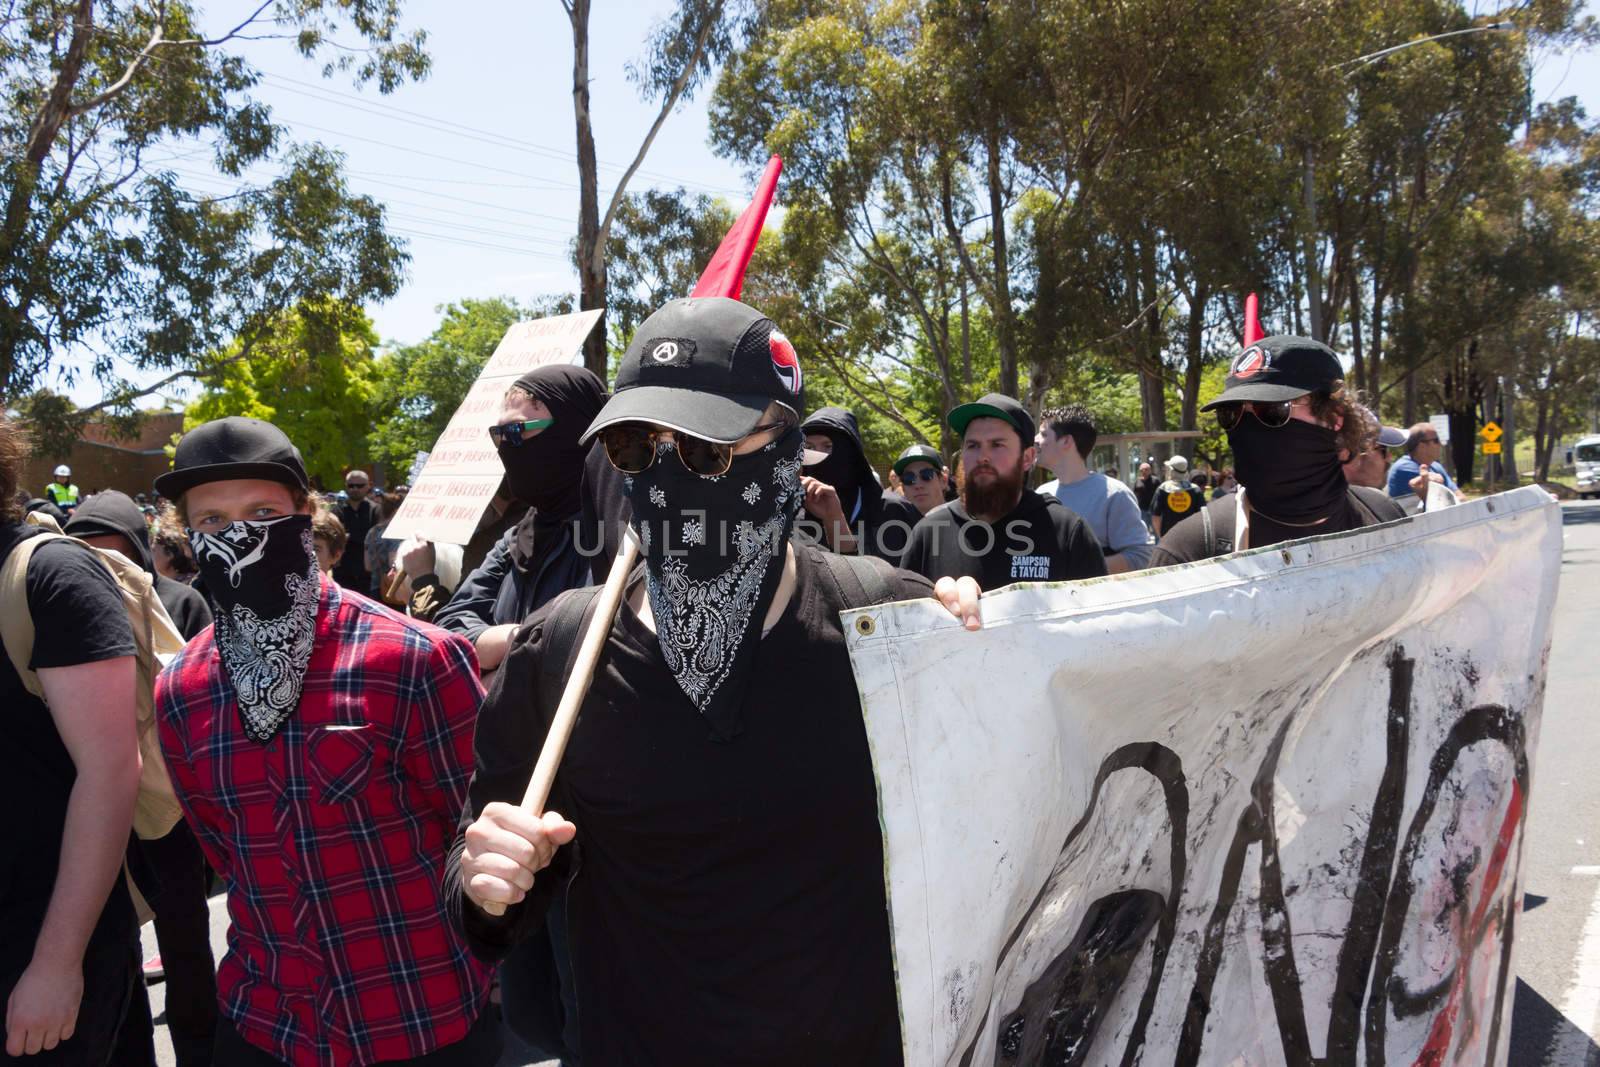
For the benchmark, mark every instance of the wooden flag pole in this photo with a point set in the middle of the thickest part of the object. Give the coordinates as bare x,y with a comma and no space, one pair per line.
594,641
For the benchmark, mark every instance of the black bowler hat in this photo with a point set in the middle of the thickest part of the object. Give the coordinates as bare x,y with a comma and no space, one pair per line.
1280,368
233,448
995,406
706,366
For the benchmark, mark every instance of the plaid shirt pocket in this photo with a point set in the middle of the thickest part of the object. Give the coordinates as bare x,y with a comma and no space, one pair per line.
339,759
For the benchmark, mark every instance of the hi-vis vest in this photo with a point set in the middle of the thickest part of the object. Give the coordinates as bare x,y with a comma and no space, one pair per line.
62,496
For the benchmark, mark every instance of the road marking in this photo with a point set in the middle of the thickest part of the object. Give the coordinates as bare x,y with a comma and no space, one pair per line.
1582,1000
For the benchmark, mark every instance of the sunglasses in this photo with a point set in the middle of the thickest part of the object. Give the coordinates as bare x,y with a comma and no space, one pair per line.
1271,414
514,433
355,485
631,448
926,474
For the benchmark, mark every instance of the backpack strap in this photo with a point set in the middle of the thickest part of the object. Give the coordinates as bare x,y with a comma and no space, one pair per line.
564,628
862,581
16,627
1210,530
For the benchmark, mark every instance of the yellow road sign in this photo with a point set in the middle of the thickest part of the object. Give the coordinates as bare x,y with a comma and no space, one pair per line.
1491,448
1491,432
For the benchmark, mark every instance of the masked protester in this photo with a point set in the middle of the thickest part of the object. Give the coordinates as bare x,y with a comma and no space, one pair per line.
321,746
537,433
1291,427
848,509
722,865
999,532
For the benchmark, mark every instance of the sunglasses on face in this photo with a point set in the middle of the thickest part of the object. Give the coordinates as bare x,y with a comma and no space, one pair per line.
514,433
926,474
631,448
1271,414
355,485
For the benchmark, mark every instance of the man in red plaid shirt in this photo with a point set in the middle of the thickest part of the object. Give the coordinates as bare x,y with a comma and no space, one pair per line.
321,746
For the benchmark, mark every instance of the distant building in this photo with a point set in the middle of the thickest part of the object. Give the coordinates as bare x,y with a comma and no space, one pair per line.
102,461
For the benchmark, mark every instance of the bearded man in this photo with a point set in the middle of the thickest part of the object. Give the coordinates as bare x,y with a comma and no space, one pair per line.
998,532
320,745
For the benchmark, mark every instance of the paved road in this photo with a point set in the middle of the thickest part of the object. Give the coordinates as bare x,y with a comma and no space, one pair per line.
1556,1019
1557,1015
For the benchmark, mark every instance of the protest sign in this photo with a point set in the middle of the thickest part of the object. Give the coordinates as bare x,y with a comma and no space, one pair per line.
463,470
1100,850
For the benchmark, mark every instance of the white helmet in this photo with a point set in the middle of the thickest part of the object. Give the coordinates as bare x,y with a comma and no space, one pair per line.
63,471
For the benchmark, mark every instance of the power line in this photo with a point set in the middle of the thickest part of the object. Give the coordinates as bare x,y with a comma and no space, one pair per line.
341,98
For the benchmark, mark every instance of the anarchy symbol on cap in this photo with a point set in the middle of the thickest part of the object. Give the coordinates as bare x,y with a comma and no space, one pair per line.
665,352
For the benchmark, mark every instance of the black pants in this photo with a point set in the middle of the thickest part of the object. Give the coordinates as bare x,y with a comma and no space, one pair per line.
479,1048
111,983
177,870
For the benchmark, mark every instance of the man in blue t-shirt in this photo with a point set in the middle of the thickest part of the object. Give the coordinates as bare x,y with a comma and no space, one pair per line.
1423,450
1066,437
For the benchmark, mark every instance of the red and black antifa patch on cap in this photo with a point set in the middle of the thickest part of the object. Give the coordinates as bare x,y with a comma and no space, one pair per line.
1251,361
784,361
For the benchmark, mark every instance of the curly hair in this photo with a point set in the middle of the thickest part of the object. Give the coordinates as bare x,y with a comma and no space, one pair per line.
167,534
1336,405
325,526
13,451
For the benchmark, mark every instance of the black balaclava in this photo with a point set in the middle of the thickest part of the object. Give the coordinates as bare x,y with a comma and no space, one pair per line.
840,469
546,470
1290,473
263,578
714,554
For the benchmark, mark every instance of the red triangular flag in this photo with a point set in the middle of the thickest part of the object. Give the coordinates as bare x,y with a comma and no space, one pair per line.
724,275
1252,321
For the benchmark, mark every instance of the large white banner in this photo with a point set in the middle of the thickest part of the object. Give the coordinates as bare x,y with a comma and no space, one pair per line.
461,473
1266,809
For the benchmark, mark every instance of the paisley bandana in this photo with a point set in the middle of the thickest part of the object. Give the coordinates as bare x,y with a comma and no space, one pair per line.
714,551
263,576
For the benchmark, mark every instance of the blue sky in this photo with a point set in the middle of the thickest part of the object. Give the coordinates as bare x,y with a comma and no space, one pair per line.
476,162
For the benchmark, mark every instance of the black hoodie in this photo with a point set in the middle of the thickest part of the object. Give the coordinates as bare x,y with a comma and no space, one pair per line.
882,521
111,512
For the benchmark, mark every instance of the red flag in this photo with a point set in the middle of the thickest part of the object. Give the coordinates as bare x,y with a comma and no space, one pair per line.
724,275
1252,322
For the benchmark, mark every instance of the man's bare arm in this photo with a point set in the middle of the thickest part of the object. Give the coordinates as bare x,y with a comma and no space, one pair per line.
92,705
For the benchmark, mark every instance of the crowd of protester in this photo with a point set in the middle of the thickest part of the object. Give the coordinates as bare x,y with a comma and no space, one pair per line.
353,717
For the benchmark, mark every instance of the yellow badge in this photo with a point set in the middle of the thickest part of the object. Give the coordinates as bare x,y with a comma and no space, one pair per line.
1179,502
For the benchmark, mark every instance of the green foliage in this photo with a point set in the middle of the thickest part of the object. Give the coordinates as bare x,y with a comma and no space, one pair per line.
101,249
311,373
420,386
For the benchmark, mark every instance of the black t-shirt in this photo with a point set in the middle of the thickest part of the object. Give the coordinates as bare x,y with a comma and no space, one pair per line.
187,608
1145,490
1040,540
1175,501
78,617
351,570
1185,542
728,905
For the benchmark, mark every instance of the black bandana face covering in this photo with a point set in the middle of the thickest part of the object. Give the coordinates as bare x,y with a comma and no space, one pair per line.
714,552
1292,472
264,578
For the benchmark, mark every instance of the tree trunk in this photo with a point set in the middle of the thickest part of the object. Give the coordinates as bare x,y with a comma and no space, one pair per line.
1508,452
1005,335
1313,260
1193,357
1358,367
591,252
1152,390
1543,440
1375,353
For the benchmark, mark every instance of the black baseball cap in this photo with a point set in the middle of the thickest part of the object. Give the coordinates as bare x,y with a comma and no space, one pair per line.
1279,368
707,367
230,448
919,453
995,406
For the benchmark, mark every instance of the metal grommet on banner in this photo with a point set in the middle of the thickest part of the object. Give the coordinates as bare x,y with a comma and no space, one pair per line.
866,625
1288,557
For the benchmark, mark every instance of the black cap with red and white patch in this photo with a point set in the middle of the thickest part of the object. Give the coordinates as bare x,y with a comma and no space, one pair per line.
705,366
1280,368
